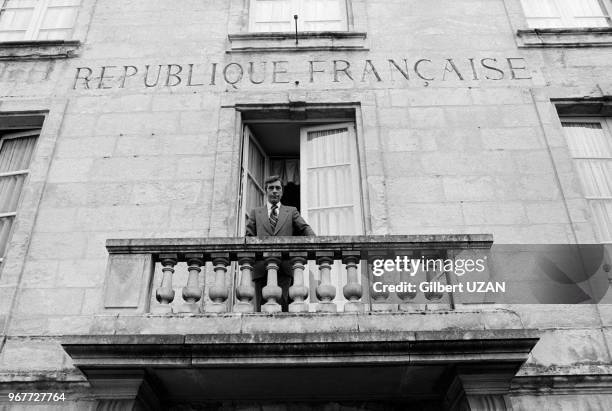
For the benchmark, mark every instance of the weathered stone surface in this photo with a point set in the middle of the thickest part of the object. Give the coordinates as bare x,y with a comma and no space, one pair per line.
443,156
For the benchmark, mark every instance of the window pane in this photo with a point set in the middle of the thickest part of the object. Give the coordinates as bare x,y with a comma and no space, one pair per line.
21,4
591,147
16,153
565,13
322,15
331,189
12,35
331,186
59,18
254,196
10,189
596,177
5,230
336,221
64,3
55,34
582,8
602,213
272,15
325,150
15,19
587,140
256,164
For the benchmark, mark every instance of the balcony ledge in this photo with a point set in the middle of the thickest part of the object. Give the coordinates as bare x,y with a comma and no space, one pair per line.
223,244
37,50
433,347
580,37
308,41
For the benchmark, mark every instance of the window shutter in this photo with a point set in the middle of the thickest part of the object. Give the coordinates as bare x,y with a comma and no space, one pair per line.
591,148
330,189
15,154
272,15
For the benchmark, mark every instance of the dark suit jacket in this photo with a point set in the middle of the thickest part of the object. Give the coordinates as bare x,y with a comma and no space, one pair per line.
289,223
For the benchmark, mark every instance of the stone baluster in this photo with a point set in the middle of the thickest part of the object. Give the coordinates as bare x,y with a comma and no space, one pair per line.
192,292
433,275
326,291
379,295
219,292
406,279
245,292
298,291
353,290
165,293
272,293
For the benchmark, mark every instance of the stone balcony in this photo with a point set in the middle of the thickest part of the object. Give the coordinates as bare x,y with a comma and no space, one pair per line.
178,326
214,275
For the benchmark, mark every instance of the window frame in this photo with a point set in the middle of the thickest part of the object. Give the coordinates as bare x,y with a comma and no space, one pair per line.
34,27
356,168
299,5
606,126
354,164
565,17
13,214
527,37
242,40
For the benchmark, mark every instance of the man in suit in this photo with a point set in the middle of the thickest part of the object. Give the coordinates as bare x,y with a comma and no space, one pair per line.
275,219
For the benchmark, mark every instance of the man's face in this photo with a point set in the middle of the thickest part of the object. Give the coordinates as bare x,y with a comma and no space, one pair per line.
274,192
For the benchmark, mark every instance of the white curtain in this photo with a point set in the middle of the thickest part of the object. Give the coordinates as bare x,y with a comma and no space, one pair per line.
287,169
16,153
591,148
331,197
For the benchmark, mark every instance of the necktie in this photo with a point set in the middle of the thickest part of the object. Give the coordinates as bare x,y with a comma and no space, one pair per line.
273,216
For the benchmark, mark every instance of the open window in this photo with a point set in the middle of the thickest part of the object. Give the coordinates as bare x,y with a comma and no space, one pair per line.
317,158
319,168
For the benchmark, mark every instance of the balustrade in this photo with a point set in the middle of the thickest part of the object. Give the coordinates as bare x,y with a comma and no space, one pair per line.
313,263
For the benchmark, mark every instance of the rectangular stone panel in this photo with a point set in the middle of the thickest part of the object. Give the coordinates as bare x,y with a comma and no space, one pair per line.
127,280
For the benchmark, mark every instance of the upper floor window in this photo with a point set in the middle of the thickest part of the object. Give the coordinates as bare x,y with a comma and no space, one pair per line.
590,144
32,20
566,13
313,15
16,151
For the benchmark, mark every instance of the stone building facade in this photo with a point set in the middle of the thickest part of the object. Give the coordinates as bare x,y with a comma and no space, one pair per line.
150,124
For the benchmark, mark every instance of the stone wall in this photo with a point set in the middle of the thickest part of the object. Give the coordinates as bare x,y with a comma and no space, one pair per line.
466,152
